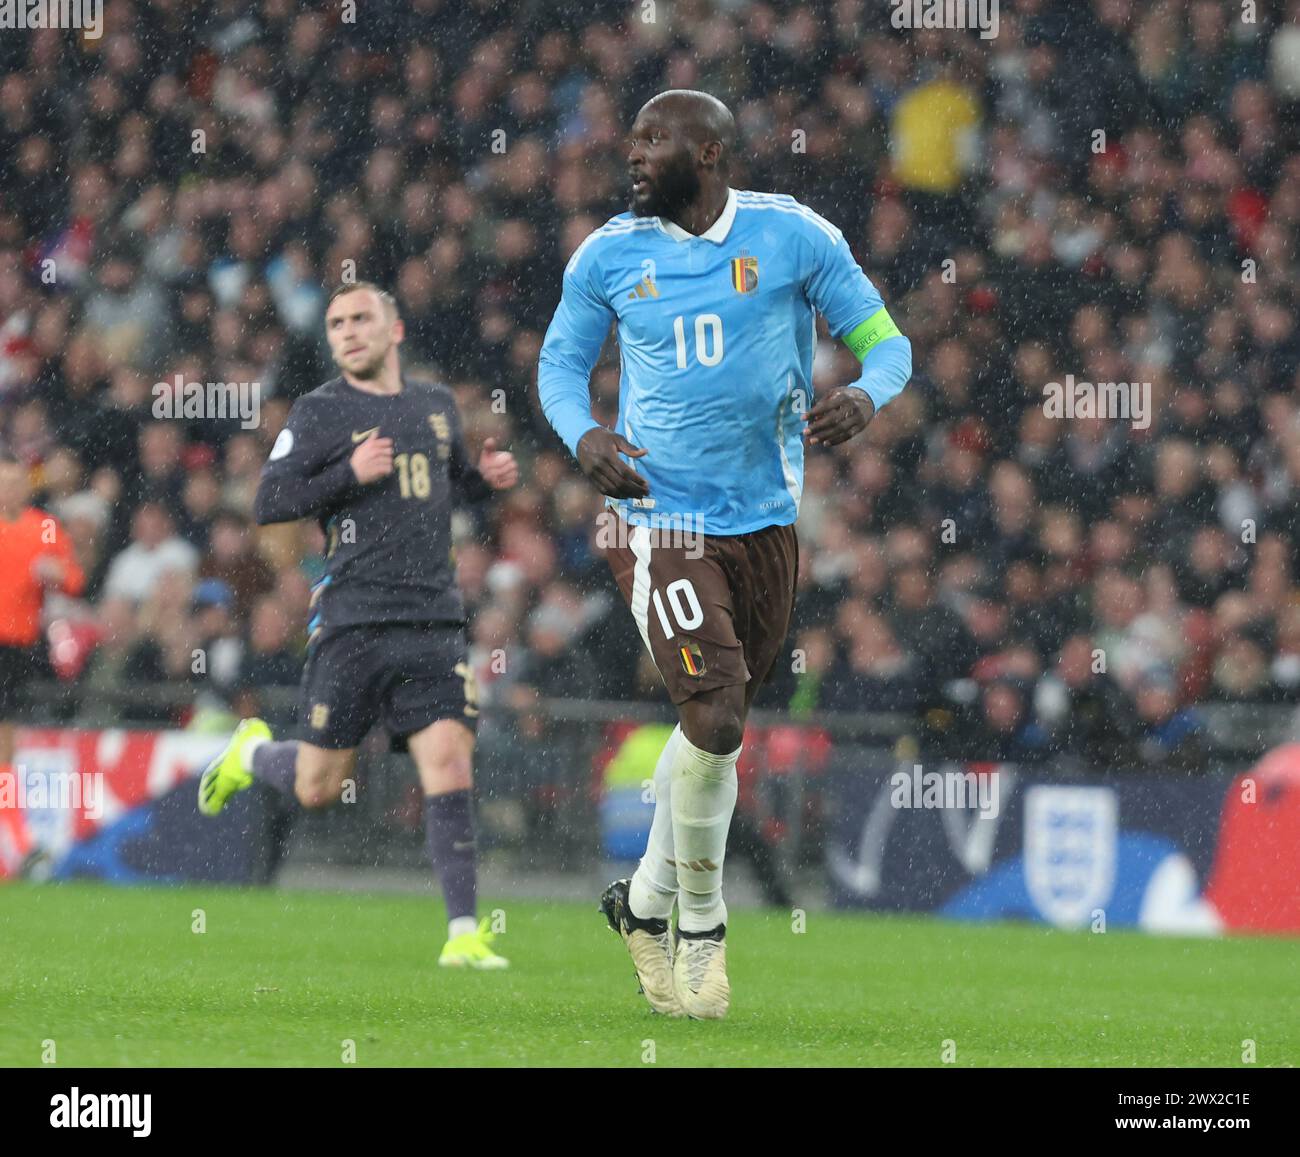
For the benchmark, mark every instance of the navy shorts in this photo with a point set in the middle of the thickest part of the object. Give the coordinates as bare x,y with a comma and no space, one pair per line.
407,675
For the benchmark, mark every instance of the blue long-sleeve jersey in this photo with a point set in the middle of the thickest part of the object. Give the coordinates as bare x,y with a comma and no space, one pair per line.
716,335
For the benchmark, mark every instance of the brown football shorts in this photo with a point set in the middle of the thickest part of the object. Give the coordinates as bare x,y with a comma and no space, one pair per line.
714,610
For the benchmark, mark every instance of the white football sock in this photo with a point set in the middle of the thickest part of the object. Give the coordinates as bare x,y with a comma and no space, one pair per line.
461,925
704,796
654,883
246,755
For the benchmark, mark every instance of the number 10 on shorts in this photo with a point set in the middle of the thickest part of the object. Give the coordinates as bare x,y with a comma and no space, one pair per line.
685,606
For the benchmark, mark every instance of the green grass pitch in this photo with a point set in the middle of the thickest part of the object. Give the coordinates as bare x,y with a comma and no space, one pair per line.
118,977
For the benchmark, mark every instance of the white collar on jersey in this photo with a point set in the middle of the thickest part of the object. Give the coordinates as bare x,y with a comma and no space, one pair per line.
717,232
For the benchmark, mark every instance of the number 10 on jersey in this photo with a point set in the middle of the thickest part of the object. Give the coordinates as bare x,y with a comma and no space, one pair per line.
708,339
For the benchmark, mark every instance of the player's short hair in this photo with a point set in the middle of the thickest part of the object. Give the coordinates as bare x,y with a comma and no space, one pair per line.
388,300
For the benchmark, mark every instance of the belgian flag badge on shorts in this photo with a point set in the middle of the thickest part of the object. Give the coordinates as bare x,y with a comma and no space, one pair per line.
692,659
744,274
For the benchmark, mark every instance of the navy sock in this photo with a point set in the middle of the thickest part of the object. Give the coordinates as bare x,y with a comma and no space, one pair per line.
274,764
449,840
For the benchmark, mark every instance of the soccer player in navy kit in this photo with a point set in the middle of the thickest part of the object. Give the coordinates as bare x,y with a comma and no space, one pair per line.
714,292
378,459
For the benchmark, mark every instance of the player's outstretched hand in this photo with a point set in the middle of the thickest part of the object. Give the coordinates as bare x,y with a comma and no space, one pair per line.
838,416
598,455
373,459
498,467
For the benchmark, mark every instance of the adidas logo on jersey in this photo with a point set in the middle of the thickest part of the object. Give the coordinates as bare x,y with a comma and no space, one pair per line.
644,288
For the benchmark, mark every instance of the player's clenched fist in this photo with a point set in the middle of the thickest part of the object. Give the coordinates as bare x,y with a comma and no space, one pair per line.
838,416
498,467
598,455
373,459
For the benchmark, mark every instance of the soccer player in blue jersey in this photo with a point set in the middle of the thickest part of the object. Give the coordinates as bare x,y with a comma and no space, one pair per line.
713,291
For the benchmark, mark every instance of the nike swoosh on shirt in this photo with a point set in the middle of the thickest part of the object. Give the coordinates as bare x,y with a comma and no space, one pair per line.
362,435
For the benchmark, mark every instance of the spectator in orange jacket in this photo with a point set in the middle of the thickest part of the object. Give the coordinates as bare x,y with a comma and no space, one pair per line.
35,557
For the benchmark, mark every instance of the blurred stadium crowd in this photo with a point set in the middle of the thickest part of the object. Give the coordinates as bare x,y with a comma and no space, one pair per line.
199,177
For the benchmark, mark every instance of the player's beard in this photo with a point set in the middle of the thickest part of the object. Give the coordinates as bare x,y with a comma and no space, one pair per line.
676,186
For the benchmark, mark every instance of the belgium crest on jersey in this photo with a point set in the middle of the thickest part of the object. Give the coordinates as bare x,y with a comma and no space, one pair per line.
744,274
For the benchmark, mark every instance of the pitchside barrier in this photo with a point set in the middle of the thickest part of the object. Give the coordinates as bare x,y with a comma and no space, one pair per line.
567,785
1184,854
556,789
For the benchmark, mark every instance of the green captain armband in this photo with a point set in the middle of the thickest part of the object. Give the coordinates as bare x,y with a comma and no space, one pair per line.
866,335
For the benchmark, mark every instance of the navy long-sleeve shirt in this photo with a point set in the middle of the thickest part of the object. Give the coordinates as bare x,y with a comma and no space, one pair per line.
388,552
